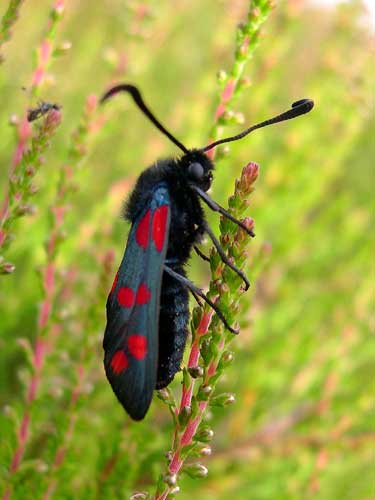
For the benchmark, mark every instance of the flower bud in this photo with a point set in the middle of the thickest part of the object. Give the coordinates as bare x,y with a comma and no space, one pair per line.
225,150
58,9
204,435
203,450
205,350
204,392
14,119
30,171
26,209
41,466
184,415
170,479
239,118
226,359
245,82
7,268
91,103
222,76
196,371
140,496
225,399
166,396
63,48
241,235
195,470
248,177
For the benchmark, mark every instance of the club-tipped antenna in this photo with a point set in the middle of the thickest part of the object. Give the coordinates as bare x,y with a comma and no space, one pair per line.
137,98
298,108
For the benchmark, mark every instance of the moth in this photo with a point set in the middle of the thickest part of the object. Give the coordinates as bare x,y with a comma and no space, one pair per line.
147,308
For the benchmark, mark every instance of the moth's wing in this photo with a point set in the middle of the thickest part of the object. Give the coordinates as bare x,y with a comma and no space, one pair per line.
131,335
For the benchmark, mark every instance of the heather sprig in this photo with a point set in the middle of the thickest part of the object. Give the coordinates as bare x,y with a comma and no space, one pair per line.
39,352
233,83
30,146
209,355
88,127
47,50
81,375
26,163
7,22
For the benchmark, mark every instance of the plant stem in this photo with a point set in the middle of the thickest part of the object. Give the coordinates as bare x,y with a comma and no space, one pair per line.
209,342
7,22
27,160
233,84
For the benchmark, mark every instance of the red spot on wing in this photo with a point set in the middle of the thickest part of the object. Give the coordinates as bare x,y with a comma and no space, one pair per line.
114,283
159,225
119,362
125,296
143,230
143,294
137,345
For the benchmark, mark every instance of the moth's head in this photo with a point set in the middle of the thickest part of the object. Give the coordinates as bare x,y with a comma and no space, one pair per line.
198,169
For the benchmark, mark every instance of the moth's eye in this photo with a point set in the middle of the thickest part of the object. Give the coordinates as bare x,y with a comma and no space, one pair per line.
196,171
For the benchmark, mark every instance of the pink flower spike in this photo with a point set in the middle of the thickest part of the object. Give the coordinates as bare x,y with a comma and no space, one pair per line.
39,354
204,323
228,91
45,52
220,110
252,169
53,118
2,237
49,278
91,103
59,7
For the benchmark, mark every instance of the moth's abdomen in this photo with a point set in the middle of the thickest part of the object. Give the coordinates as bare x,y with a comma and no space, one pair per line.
173,328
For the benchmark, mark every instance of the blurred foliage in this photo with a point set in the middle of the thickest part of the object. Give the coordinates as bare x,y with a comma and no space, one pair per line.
301,426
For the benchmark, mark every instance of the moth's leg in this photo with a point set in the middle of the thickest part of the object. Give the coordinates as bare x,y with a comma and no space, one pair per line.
201,254
223,256
217,208
195,290
198,300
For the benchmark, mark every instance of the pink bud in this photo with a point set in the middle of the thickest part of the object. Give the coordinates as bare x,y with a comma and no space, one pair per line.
30,171
249,175
45,51
267,247
53,118
14,119
24,130
250,172
252,168
59,7
26,209
91,103
255,12
228,91
206,451
7,268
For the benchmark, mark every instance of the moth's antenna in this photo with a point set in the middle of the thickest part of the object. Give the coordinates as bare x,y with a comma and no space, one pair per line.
298,108
137,98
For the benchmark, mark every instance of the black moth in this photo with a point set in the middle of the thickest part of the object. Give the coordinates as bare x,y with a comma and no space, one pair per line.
147,308
42,108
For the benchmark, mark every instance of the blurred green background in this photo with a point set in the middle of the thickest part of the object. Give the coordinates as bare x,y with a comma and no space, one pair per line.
302,425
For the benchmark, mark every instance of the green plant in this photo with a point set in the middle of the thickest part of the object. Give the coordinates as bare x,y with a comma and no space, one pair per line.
301,423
